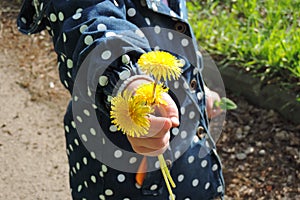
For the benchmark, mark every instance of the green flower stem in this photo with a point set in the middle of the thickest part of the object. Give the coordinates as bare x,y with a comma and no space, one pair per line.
166,175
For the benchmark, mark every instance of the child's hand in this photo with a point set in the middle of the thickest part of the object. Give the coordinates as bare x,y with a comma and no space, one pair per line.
157,140
211,97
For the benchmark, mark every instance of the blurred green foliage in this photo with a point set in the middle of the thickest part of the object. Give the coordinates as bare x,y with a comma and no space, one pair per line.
262,36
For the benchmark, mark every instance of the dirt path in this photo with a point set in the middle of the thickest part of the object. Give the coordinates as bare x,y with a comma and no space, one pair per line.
32,147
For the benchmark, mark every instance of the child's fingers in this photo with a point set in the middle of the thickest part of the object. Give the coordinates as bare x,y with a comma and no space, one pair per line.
170,110
158,126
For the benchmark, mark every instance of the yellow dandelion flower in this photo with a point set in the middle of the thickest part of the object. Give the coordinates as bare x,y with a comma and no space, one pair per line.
145,91
129,114
161,65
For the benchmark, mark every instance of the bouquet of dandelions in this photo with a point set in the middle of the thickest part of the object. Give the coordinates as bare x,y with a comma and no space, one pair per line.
130,113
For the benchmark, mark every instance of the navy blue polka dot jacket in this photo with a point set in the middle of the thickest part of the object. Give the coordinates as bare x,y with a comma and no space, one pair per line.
98,43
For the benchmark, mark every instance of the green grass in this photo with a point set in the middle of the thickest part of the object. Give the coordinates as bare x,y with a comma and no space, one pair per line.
260,36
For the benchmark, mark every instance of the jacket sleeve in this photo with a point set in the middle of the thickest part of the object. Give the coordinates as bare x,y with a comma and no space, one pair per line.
31,18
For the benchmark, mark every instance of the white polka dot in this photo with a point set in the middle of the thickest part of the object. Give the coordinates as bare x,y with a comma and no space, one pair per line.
79,119
94,106
89,93
93,131
118,154
86,112
125,59
131,12
132,160
113,128
69,63
85,184
207,186
76,142
204,163
88,40
147,21
101,174
103,140
79,188
191,159
83,28
183,134
220,189
156,48
109,192
200,95
68,152
64,37
183,62
176,84
53,17
195,71
74,170
157,29
175,131
70,147
195,182
101,197
76,16
67,129
126,199
73,124
180,178
192,115
184,42
109,98
116,3
182,110
84,138
101,27
170,36
187,198
185,85
23,20
104,168
196,139
153,187
177,154
157,165
103,80
124,74
137,186
84,160
121,178
110,34
75,98
173,14
93,155
106,54
93,179
61,16
215,167
79,10
78,166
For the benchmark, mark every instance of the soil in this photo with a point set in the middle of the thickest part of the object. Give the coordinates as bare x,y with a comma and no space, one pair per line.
259,149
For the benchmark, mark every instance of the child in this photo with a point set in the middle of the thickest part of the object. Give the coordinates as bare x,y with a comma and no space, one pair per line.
98,43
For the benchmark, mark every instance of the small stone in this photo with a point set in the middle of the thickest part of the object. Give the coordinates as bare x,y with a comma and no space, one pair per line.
282,136
247,128
241,156
262,152
249,150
